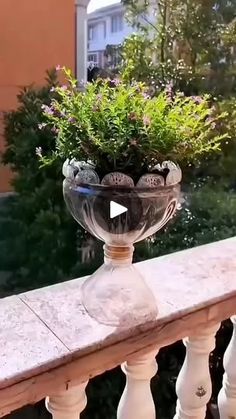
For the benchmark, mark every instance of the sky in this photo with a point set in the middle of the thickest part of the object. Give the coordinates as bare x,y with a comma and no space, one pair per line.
96,4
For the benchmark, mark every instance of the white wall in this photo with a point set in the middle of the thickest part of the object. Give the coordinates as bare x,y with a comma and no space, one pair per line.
100,41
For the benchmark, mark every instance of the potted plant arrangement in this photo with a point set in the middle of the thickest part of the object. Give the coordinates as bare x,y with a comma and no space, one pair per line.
122,152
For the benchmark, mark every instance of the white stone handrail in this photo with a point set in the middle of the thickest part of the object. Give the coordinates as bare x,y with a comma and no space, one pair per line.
50,347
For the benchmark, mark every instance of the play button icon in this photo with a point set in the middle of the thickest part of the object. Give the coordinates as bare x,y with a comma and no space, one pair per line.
116,209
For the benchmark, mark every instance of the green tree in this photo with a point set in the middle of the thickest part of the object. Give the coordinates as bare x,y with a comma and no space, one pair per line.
189,43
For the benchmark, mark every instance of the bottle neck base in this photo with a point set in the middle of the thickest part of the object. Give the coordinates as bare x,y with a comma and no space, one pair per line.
117,255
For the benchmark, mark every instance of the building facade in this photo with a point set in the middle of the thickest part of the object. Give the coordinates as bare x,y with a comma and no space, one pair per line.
106,26
35,36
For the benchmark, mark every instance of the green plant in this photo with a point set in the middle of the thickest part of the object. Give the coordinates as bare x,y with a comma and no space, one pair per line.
222,167
207,215
189,43
120,127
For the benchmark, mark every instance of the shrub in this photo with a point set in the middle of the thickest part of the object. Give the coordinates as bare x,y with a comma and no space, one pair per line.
38,236
120,127
207,215
222,167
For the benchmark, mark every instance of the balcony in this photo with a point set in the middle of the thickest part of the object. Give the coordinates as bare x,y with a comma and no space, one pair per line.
50,347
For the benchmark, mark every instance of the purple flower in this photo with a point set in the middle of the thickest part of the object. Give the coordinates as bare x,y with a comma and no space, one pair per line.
169,92
72,120
134,142
116,82
133,116
58,67
146,95
64,87
47,109
213,109
41,126
57,113
38,152
146,120
197,99
55,130
169,88
211,121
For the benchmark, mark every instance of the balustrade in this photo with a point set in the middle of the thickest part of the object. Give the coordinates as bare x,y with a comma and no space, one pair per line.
50,347
227,395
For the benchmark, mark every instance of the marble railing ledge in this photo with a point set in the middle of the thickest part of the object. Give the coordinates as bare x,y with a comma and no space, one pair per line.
49,343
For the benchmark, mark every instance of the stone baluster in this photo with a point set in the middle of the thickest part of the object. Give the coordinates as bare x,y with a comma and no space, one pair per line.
193,385
136,401
67,404
227,395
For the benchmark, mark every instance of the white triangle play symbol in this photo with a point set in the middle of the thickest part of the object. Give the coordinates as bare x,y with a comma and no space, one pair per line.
116,209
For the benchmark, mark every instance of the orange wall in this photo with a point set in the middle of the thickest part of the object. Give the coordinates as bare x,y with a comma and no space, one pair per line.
35,35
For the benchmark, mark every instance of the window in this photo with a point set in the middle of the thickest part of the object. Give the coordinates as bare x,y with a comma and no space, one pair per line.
117,23
113,55
93,59
91,32
117,58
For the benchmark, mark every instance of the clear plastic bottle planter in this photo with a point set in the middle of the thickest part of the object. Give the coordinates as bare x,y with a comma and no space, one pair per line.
116,294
